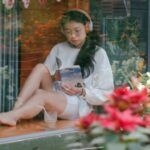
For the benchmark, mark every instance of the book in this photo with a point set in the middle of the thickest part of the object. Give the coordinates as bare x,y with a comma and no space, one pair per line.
71,75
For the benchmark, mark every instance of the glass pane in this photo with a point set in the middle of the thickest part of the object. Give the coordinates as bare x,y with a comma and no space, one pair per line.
8,56
123,27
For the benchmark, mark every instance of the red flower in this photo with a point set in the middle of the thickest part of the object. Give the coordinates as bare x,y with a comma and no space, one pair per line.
124,98
147,120
120,121
120,113
86,121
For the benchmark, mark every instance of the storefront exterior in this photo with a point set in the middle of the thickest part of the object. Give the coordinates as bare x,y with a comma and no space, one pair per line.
122,26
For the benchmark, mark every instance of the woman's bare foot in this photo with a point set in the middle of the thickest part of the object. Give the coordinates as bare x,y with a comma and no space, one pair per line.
7,119
17,105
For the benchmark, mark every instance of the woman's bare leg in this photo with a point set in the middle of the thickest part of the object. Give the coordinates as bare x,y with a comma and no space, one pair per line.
38,78
51,101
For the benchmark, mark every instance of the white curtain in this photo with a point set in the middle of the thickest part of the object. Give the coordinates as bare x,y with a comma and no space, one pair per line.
9,56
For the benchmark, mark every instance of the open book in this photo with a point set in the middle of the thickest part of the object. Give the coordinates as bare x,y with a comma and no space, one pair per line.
71,75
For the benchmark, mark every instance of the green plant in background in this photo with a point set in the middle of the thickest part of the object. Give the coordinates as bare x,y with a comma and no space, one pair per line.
124,47
145,79
9,88
128,33
4,73
129,67
124,32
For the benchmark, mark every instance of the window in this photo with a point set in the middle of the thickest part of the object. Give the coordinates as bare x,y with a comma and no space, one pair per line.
123,27
8,57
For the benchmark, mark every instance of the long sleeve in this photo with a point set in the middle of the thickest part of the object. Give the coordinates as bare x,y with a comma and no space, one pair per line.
100,83
50,61
66,55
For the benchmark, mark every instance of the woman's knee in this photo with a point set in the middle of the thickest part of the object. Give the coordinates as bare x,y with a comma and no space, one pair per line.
42,95
41,68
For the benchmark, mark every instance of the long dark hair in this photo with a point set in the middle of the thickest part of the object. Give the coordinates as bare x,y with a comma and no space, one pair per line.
85,58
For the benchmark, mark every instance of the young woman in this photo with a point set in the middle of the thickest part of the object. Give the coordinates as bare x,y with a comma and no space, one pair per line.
81,48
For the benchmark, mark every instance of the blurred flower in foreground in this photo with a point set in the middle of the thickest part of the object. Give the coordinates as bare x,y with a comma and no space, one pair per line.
122,125
143,81
125,98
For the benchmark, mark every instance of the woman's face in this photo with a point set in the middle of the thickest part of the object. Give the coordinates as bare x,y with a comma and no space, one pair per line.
75,33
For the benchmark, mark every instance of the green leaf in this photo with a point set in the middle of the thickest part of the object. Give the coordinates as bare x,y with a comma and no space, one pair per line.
115,146
144,130
146,147
97,141
75,145
135,136
70,138
111,137
97,131
134,146
147,111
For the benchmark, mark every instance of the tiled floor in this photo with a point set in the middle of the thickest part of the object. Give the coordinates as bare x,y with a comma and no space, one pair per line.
34,126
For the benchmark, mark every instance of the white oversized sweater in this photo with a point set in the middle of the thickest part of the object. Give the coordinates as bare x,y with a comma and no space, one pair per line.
97,86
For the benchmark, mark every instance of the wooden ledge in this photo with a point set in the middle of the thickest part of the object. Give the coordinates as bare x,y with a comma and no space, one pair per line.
37,135
33,129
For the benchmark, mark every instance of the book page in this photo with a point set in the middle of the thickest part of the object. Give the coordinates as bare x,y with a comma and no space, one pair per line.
72,76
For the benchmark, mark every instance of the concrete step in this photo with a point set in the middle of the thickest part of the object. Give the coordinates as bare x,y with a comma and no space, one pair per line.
36,135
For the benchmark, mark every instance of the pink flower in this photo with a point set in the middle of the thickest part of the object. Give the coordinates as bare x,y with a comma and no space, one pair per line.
120,121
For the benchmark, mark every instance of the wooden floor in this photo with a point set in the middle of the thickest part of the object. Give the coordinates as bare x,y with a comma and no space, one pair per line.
34,126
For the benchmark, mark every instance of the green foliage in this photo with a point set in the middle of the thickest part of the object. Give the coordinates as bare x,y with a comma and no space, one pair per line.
98,138
4,73
124,47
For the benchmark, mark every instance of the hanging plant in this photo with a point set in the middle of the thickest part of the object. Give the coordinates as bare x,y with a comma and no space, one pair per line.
10,3
26,3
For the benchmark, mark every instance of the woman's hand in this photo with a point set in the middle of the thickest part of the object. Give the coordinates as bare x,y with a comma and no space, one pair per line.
57,76
71,90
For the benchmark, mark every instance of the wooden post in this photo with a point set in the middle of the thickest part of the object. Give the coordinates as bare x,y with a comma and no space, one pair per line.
82,4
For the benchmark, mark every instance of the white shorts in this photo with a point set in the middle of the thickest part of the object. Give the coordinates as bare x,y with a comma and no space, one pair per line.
72,108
